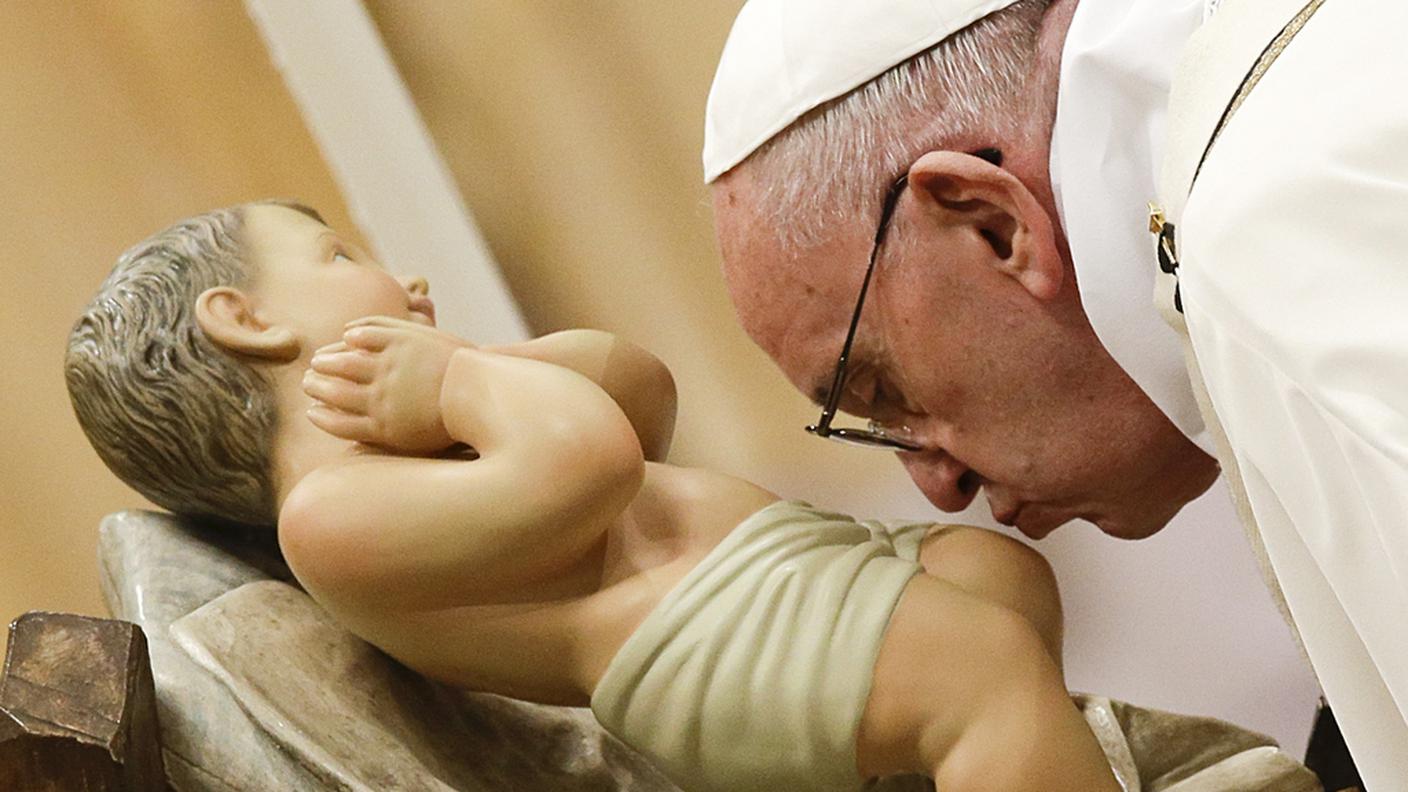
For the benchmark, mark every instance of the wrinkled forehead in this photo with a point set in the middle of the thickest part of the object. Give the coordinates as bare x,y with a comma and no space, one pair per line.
795,303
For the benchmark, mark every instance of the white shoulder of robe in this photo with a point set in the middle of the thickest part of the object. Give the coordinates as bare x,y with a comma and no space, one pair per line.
1294,249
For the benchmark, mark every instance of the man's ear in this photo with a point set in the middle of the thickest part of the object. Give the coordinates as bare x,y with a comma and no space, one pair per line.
226,316
965,191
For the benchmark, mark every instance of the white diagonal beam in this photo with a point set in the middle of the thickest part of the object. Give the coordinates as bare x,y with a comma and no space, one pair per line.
395,183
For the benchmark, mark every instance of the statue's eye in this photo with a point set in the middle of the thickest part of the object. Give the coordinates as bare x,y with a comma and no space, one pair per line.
344,256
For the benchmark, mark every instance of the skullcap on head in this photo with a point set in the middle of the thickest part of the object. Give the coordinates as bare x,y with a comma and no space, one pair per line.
785,57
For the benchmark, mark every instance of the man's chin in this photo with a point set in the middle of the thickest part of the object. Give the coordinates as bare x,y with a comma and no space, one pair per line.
1037,525
1127,529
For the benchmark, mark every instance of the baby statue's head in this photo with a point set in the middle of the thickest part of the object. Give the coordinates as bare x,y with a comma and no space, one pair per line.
185,370
179,418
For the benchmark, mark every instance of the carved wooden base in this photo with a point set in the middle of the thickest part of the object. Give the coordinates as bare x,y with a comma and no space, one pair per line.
77,707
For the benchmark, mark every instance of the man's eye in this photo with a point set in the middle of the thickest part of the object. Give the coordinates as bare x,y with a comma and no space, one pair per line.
888,396
344,256
882,393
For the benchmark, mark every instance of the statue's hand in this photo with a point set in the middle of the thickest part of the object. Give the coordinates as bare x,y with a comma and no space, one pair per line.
381,385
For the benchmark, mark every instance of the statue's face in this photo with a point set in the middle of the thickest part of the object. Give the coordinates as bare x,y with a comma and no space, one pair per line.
312,281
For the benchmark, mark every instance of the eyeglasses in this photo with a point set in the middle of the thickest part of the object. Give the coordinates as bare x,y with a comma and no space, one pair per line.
875,436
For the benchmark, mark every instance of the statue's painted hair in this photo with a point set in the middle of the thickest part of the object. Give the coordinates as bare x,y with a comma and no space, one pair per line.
181,420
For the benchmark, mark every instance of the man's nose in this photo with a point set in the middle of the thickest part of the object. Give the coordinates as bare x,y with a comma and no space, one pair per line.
414,284
946,482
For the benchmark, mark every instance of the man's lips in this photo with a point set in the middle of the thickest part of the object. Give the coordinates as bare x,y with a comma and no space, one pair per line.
1034,518
1006,513
1034,523
1038,529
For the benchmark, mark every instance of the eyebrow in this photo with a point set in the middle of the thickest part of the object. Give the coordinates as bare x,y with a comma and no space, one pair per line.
303,209
329,242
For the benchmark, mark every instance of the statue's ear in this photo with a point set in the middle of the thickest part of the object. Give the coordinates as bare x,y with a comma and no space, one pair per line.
226,316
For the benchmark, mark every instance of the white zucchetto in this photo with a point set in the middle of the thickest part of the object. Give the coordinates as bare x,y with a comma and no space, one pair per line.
785,57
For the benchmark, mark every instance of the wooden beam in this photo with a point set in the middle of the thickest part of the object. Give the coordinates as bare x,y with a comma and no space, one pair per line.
78,707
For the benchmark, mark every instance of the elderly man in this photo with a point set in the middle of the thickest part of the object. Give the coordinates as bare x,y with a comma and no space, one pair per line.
974,175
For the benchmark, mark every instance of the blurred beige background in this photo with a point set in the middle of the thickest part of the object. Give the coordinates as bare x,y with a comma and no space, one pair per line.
573,130
116,118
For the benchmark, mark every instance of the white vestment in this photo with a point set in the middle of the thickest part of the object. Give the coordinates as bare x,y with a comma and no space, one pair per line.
1116,68
1293,251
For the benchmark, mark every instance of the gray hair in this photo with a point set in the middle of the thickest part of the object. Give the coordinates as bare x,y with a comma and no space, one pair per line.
833,162
176,417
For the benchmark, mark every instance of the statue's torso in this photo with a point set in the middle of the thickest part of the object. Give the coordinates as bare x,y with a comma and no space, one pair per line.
677,518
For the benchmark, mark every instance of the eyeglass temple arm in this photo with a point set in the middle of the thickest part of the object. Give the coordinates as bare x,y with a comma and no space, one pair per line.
833,398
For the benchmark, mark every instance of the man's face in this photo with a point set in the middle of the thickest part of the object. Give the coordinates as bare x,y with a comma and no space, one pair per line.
1007,393
310,279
